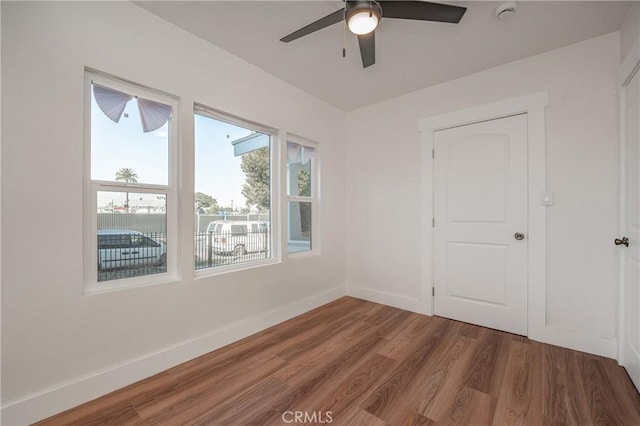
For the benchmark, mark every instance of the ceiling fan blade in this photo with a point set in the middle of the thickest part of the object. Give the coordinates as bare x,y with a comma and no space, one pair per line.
321,23
422,11
367,44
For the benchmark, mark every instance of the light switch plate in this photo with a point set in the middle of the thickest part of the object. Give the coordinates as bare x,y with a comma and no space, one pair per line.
546,198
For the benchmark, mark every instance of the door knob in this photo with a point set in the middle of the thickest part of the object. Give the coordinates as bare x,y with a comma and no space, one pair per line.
621,242
518,236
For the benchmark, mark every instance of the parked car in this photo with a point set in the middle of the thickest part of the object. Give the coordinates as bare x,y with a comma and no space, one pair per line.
238,238
126,248
259,226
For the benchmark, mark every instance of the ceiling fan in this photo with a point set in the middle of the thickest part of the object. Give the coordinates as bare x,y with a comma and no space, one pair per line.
363,16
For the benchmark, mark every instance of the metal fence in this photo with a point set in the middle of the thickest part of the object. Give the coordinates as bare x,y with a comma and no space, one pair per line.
127,254
230,247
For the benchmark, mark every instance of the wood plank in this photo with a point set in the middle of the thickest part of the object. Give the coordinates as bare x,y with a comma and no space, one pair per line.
191,399
364,418
412,418
487,368
393,326
332,348
320,355
471,330
621,385
387,323
380,314
234,411
466,407
520,339
563,390
401,345
365,306
391,390
450,348
330,373
445,379
352,390
607,405
520,399
267,417
308,340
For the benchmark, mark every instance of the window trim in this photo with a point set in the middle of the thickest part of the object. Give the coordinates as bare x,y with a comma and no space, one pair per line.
314,199
91,188
275,152
217,114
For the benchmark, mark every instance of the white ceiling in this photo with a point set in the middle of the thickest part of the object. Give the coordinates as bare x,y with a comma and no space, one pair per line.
410,55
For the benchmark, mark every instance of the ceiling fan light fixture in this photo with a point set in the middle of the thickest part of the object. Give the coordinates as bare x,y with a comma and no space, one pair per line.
363,17
362,22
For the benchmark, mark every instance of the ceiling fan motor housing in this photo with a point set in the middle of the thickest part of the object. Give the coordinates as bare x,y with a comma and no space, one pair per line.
353,7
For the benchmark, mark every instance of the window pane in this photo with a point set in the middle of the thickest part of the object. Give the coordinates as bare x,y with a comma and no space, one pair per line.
132,230
299,169
299,226
123,152
232,194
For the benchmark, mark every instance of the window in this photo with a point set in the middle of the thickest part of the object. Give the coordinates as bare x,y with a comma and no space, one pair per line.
233,192
130,197
301,195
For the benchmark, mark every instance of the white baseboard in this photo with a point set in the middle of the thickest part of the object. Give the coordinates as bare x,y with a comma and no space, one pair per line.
597,345
396,300
81,390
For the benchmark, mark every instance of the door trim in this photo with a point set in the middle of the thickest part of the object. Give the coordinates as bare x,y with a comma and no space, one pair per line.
534,106
629,67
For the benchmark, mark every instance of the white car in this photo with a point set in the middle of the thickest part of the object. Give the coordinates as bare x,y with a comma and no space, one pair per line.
125,248
238,238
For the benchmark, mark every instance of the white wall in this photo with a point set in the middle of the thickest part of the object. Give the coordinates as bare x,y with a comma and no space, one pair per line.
630,31
383,186
53,336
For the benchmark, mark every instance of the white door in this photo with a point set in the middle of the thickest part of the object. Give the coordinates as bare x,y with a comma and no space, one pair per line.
480,234
630,209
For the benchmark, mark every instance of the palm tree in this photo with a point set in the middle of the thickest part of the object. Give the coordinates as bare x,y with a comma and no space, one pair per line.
127,175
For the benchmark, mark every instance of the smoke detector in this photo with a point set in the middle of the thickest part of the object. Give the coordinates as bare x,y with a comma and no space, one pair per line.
505,10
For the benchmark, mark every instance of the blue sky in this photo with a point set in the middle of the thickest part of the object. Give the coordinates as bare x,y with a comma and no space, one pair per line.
217,170
124,144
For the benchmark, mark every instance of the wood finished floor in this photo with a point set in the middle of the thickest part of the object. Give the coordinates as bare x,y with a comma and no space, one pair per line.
370,364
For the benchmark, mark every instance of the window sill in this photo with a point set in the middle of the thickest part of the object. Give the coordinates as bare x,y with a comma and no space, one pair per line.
131,283
220,270
303,254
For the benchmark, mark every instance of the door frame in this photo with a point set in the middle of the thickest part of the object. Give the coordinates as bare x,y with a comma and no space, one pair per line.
534,106
629,67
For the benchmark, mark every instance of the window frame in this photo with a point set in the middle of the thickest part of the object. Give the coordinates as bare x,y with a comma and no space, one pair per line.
92,187
314,199
275,150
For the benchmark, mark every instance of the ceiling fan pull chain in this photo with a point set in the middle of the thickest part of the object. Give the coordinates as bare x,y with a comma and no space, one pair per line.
344,31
